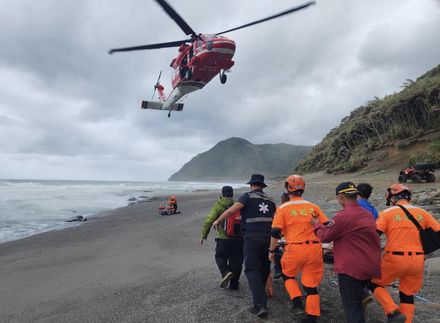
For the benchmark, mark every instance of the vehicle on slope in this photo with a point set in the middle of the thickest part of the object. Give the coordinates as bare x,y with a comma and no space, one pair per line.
417,173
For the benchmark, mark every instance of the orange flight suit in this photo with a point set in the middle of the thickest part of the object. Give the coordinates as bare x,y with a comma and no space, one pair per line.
302,251
403,258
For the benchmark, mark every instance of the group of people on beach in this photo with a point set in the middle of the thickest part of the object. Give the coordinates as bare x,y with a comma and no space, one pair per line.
354,231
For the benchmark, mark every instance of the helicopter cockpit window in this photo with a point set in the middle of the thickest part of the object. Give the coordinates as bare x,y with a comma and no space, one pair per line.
208,37
198,43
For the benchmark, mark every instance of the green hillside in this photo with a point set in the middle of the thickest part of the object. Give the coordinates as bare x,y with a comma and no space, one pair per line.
371,132
236,159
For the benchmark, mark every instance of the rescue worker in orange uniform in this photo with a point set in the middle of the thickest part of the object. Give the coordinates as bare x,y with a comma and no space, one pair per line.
172,202
277,273
302,251
403,258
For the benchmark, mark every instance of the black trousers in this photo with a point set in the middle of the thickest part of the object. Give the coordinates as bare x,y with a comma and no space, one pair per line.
277,260
229,258
352,294
257,267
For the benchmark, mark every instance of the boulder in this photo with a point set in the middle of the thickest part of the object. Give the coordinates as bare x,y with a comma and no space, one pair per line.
77,218
424,199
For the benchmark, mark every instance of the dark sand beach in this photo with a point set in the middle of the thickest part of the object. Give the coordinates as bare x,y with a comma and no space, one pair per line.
132,265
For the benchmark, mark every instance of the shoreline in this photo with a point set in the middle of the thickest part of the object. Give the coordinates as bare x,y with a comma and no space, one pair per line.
58,224
131,265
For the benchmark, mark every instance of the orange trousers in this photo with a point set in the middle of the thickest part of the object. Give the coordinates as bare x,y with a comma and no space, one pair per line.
409,270
307,259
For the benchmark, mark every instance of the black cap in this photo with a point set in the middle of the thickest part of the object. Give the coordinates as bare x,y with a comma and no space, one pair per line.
227,191
257,179
346,188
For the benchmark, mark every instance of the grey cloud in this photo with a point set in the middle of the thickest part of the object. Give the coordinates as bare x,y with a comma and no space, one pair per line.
295,78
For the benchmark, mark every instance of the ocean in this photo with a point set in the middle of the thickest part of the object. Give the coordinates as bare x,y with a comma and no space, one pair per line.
28,207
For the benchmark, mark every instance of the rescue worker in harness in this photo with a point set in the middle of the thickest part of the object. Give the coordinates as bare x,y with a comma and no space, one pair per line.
302,251
403,258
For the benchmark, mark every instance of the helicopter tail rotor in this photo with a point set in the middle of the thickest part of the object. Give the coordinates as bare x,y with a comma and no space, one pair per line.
156,85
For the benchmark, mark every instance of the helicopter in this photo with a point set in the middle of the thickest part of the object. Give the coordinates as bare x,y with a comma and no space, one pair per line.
200,58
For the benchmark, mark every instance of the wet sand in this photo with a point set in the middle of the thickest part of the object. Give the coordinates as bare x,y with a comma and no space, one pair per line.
132,265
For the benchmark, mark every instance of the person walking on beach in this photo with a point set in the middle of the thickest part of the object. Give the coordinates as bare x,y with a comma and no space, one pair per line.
277,273
302,251
365,190
228,250
356,248
403,258
257,211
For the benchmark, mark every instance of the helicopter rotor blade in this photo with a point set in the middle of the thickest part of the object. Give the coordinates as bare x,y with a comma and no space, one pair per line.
303,6
175,16
152,46
156,85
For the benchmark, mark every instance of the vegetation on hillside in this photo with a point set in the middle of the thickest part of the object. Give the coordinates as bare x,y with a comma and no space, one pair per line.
432,155
399,119
236,159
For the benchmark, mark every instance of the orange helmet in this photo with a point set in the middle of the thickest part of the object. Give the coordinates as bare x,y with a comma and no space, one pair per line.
397,189
294,183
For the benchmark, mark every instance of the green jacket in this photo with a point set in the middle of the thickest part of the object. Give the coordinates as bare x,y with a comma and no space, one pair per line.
219,207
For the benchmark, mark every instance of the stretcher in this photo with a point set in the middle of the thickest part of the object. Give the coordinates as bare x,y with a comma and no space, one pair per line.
166,209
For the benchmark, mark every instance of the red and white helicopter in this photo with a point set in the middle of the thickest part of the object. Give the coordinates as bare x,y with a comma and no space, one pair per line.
200,58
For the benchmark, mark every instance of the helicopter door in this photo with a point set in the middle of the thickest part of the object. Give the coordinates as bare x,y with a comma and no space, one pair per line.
184,68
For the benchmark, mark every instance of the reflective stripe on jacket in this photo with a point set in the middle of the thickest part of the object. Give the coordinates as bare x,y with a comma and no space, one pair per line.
257,213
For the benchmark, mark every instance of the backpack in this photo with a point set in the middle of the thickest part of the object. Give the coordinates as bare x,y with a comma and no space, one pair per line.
232,225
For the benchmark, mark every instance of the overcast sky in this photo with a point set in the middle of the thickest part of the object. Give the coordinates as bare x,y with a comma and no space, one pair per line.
68,110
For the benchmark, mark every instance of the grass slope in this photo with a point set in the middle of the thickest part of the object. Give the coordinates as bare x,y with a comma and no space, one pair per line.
397,121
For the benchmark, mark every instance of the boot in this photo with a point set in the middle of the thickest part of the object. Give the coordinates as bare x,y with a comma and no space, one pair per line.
396,317
297,306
